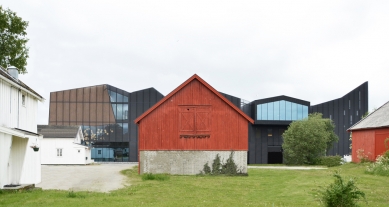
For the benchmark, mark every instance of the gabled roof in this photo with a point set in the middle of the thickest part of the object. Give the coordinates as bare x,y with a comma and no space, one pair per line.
53,131
377,119
194,77
5,74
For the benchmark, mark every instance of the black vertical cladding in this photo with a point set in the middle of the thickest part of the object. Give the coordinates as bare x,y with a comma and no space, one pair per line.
235,100
343,112
140,101
133,129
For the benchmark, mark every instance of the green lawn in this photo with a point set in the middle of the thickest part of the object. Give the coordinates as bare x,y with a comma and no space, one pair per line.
263,187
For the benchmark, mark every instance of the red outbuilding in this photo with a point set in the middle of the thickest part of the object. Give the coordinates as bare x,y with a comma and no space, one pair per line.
370,136
188,128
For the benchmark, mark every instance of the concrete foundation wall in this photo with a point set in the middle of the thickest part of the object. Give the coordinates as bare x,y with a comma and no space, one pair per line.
186,162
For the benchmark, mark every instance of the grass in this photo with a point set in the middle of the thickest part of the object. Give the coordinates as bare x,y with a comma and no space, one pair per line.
263,187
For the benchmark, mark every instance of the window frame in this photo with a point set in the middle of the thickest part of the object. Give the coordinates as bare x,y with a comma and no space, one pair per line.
59,152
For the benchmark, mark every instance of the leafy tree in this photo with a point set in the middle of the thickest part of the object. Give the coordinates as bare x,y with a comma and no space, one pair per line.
13,49
307,140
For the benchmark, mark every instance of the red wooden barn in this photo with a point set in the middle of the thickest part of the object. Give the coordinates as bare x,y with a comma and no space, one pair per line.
370,136
188,128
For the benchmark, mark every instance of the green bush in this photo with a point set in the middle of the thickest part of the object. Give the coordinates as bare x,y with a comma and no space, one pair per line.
305,141
341,193
380,166
331,161
216,165
151,176
71,194
218,168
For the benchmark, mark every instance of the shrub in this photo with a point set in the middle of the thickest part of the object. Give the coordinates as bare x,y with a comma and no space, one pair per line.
151,176
216,165
71,194
218,168
207,169
331,161
341,193
362,156
381,165
305,141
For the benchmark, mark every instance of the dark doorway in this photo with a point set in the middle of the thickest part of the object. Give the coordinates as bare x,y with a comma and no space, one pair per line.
274,157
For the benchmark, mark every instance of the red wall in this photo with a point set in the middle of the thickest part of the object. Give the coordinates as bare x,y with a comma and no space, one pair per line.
372,141
363,139
380,136
160,130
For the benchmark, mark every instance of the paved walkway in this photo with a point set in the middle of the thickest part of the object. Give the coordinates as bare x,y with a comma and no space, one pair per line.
97,177
288,167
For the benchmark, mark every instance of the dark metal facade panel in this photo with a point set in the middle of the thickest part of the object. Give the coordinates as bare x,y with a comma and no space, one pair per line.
235,100
345,112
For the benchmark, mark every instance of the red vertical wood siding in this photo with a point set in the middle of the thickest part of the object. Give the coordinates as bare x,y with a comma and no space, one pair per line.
160,130
380,136
364,140
372,141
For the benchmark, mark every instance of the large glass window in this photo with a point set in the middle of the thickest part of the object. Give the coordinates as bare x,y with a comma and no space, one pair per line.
281,110
264,111
277,110
270,111
117,97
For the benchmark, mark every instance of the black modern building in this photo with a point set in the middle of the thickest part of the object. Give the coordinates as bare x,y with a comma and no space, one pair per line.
273,115
106,114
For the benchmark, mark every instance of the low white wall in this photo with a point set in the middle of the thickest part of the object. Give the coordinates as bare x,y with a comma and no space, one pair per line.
186,162
72,154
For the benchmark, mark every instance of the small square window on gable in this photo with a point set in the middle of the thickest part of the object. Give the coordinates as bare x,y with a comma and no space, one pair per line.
194,121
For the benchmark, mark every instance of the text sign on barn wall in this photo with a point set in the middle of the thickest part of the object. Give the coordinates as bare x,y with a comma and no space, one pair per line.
194,121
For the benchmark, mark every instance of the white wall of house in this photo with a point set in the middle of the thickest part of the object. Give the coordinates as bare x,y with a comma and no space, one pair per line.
14,112
72,154
19,164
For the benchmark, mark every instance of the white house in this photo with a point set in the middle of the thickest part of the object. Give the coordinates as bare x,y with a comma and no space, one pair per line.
63,145
19,163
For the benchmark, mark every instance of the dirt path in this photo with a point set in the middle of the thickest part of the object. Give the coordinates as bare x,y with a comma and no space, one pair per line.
99,178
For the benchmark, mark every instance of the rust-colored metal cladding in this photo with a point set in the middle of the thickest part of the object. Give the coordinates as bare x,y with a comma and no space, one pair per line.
193,117
77,106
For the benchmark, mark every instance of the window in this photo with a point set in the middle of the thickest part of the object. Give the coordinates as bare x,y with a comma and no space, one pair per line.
349,104
281,110
23,100
359,102
351,119
99,152
330,116
59,152
78,151
269,132
194,121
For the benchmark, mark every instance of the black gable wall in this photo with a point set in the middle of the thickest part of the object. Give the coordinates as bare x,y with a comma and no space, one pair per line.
345,112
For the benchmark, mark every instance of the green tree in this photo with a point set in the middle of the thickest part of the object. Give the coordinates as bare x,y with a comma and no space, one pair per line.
13,49
307,140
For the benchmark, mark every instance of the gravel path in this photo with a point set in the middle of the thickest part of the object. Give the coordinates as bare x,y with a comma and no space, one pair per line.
97,177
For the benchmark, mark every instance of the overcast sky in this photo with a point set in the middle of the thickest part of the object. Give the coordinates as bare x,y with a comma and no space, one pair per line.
311,50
